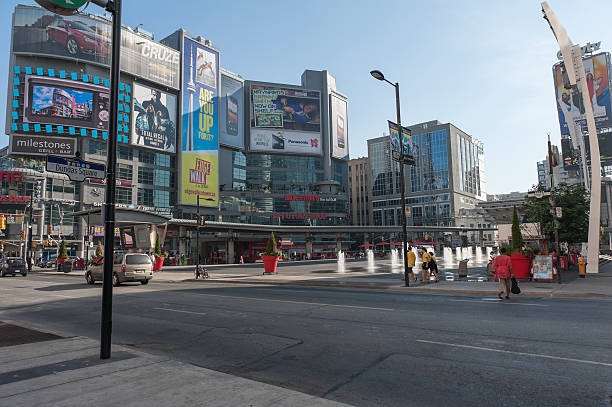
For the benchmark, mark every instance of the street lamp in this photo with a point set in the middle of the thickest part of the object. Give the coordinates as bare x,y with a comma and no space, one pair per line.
379,75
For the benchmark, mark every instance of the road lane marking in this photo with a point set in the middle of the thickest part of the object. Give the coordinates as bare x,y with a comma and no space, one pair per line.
495,300
298,302
178,310
537,355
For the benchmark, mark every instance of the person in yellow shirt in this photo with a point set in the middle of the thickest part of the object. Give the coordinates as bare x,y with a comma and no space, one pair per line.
425,267
411,257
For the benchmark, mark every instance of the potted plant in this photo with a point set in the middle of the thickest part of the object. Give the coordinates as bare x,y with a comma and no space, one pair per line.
270,256
159,258
521,264
62,259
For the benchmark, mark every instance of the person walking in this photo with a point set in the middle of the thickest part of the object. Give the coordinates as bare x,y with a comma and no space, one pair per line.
425,266
411,258
433,267
503,271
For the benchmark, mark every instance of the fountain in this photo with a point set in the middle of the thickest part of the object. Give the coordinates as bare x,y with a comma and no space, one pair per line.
448,257
395,263
371,267
340,267
478,257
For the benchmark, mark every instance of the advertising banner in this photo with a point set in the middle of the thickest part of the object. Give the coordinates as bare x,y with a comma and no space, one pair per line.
200,138
154,125
286,109
542,267
88,38
339,127
65,103
282,141
597,69
231,112
407,146
35,145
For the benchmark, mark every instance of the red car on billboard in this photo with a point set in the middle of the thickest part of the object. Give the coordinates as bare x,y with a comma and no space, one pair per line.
77,38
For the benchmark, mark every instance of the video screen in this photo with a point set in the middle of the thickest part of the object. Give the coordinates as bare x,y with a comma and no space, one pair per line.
51,101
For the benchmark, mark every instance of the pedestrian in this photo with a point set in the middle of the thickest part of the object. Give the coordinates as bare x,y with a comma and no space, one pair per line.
425,265
503,271
433,267
411,260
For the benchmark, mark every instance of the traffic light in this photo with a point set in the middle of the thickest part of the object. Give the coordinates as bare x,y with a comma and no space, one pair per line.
23,233
34,244
50,230
2,222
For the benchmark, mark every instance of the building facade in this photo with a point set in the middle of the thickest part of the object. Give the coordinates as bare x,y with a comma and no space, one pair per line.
360,191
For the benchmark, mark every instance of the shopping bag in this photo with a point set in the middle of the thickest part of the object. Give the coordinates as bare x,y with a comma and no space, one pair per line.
515,288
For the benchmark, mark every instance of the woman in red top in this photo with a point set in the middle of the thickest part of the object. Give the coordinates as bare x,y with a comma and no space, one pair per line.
503,271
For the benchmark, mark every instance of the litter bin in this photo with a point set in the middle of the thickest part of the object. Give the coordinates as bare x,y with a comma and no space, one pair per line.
563,262
463,267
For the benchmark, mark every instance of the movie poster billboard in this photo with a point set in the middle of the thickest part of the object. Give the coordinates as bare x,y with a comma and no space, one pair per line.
287,109
597,69
339,127
283,141
65,103
88,38
154,123
406,145
231,111
200,121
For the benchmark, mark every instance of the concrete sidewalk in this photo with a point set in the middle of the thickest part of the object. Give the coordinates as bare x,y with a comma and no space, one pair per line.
323,275
69,372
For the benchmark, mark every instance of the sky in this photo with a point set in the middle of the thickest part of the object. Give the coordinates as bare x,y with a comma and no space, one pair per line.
484,66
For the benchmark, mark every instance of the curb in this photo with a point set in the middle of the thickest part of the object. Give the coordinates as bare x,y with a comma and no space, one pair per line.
399,288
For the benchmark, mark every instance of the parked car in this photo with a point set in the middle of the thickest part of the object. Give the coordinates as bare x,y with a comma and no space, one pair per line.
13,265
126,267
49,264
77,38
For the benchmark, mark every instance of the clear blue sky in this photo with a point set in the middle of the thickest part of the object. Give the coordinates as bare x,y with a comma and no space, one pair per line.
484,66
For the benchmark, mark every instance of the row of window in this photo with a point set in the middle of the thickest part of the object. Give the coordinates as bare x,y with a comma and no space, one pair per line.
98,147
146,197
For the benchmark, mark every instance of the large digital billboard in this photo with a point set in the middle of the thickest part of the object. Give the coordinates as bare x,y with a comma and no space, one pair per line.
597,69
88,38
231,111
154,124
339,127
63,102
200,121
285,120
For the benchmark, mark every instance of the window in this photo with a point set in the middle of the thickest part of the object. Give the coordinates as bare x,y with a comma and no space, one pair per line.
145,175
161,198
124,172
145,197
162,160
162,178
125,153
96,147
145,157
123,195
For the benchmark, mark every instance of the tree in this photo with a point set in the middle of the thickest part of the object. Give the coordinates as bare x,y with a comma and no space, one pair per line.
63,253
574,223
157,253
517,236
99,251
271,246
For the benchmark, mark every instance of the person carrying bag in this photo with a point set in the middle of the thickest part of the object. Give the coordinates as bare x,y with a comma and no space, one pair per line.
503,271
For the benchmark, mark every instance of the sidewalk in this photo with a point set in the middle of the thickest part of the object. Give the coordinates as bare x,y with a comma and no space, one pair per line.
69,372
325,275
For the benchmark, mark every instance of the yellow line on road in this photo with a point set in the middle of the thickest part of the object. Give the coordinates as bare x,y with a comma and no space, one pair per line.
298,302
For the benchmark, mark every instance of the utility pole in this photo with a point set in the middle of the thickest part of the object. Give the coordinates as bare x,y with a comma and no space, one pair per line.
553,208
198,238
30,231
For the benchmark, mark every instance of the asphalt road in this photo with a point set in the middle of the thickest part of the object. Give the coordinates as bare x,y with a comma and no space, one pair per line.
362,347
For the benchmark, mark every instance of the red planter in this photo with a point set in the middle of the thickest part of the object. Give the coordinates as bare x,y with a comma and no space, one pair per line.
159,262
59,261
521,265
270,263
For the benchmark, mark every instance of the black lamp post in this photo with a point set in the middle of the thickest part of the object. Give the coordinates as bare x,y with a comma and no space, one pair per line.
379,75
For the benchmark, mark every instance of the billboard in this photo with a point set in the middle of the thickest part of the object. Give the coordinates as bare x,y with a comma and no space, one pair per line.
88,38
231,112
35,145
287,109
154,125
200,121
597,69
282,141
65,103
339,127
407,146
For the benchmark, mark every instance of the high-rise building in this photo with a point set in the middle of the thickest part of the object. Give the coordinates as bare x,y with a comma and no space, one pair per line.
448,177
360,191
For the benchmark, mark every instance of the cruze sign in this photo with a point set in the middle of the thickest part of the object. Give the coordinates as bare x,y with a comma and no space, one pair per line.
11,176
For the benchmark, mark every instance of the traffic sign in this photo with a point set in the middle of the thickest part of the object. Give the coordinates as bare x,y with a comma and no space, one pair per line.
559,211
62,7
75,168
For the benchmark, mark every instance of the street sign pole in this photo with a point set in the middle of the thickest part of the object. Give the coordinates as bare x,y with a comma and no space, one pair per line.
109,206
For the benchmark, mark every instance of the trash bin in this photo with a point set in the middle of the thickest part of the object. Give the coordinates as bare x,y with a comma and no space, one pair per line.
563,262
463,267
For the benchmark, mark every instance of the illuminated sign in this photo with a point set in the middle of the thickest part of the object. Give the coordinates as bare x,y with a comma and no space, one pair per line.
302,198
11,176
299,215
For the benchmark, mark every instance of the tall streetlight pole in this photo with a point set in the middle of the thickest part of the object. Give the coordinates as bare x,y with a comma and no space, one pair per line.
572,58
379,75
